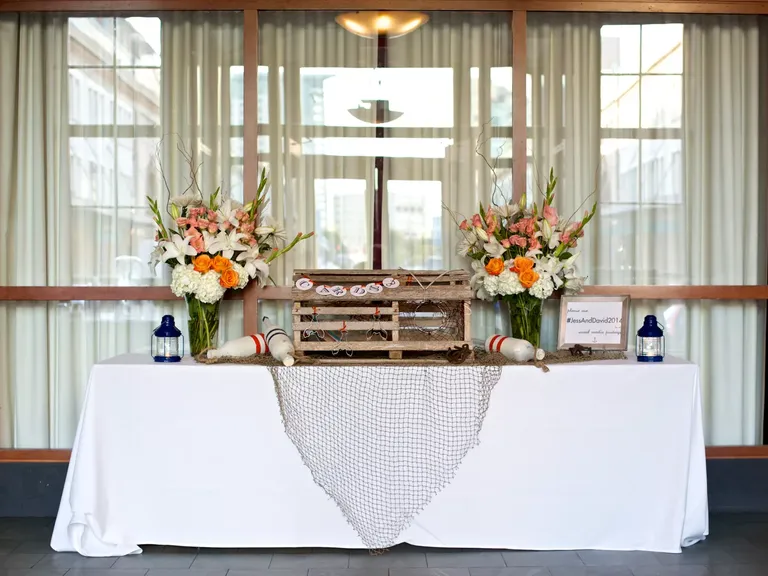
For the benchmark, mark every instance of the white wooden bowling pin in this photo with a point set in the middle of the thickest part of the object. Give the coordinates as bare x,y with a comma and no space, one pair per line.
513,348
280,345
241,347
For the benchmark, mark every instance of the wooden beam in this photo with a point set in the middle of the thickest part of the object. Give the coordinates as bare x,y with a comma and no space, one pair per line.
250,145
519,122
112,293
133,6
53,456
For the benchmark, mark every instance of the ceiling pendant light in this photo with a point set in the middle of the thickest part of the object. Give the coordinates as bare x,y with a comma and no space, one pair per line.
372,24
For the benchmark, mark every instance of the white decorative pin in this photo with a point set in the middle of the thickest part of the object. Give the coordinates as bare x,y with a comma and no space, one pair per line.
390,282
323,290
304,283
374,288
358,290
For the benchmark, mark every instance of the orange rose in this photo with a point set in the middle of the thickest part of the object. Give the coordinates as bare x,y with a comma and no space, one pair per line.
522,264
495,266
229,278
220,264
202,263
528,277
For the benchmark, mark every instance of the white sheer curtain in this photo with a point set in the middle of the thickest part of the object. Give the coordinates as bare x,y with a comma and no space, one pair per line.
80,119
669,112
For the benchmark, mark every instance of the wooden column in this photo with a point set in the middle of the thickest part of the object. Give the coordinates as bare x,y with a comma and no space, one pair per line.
250,146
519,123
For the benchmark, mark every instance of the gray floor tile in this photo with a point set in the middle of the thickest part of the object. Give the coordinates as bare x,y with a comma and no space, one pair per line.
618,558
465,559
511,571
700,557
240,560
156,560
20,560
429,572
742,570
543,558
394,558
32,572
349,572
311,560
270,572
181,572
8,546
682,570
103,572
590,571
69,560
33,547
755,556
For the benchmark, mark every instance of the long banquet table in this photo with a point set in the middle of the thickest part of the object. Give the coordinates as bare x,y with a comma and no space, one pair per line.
596,455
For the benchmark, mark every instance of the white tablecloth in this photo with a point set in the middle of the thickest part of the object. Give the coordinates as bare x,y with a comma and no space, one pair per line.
606,455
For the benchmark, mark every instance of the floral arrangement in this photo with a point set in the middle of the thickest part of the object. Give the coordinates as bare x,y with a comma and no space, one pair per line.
521,254
213,248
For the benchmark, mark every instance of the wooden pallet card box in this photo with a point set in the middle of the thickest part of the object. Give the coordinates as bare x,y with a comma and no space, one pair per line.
426,315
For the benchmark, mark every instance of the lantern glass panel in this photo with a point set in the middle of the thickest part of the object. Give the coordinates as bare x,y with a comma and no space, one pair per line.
650,346
166,347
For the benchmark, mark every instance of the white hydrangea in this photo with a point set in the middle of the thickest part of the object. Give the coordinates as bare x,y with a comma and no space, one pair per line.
509,283
542,288
184,280
242,274
208,289
491,285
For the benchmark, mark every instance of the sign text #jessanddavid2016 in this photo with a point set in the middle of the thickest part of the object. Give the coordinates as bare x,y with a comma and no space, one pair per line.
593,323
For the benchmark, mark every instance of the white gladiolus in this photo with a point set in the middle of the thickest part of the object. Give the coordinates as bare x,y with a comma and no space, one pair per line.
208,289
184,280
481,234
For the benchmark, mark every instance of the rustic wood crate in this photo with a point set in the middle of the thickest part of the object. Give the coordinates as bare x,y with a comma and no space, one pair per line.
419,319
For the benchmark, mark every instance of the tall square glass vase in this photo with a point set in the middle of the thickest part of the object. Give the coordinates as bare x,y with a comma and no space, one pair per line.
525,317
203,325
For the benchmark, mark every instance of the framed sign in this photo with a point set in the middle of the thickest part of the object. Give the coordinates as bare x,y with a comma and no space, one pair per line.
599,322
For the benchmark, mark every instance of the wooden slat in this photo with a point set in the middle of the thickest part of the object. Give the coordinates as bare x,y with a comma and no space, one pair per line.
34,455
519,122
351,310
662,6
250,145
397,294
338,325
736,452
428,345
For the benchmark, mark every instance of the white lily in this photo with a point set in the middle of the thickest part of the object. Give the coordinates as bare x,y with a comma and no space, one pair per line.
209,239
493,248
506,210
550,236
573,283
254,264
183,200
177,248
481,234
155,258
550,266
465,245
228,243
273,230
228,211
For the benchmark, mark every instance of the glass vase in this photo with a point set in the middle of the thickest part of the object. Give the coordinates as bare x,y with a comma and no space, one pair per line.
203,325
525,317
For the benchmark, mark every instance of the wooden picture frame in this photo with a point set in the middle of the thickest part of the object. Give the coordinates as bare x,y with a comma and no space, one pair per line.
599,308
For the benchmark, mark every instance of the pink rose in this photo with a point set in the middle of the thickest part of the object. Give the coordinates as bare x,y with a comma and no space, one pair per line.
252,242
247,228
464,225
535,244
202,223
182,221
198,243
241,215
506,243
213,228
193,232
226,225
193,222
518,241
550,215
211,216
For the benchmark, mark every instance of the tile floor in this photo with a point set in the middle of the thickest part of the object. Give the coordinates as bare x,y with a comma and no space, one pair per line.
737,546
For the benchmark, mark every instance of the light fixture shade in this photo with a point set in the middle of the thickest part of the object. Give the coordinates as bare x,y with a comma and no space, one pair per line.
374,24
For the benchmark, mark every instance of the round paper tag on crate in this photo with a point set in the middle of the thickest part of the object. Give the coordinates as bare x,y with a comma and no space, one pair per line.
390,282
323,290
358,290
304,283
338,290
374,288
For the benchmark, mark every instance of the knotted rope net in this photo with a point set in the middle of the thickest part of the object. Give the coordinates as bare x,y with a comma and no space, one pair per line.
383,440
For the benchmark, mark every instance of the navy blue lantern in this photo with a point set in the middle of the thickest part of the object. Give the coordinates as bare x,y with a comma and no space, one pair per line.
167,341
650,341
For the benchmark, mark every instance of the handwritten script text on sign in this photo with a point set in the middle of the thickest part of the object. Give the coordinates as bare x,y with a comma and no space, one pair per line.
593,323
